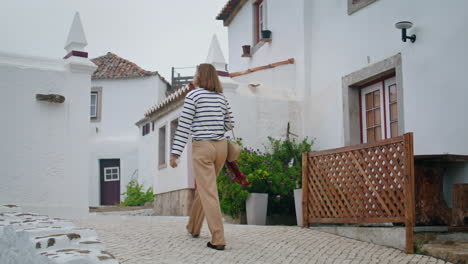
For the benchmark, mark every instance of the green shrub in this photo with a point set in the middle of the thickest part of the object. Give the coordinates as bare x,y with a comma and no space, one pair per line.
135,196
276,172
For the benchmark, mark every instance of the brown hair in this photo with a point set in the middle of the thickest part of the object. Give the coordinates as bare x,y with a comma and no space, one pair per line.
207,78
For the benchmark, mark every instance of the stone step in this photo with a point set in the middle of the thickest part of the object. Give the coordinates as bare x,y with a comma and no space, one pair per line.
83,233
455,252
37,239
7,208
66,240
79,256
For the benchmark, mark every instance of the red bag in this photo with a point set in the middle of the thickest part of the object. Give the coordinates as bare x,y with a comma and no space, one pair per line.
234,169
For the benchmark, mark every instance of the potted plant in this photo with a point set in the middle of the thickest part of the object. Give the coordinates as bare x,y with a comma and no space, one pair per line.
290,154
256,207
273,176
298,203
266,34
246,51
257,202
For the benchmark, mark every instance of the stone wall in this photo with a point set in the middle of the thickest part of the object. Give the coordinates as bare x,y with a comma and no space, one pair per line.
175,203
37,239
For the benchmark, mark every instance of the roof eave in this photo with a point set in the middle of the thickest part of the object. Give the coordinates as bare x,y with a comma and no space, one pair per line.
141,121
231,14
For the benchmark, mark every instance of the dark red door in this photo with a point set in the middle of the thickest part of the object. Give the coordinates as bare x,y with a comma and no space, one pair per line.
110,181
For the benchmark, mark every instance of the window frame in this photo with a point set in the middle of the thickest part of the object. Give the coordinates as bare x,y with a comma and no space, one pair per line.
98,107
93,115
259,19
351,84
173,129
388,83
111,174
162,151
145,129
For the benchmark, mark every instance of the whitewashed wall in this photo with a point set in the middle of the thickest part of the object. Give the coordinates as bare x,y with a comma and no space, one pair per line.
127,152
328,44
433,68
115,136
285,20
258,117
168,178
43,170
123,102
265,111
434,86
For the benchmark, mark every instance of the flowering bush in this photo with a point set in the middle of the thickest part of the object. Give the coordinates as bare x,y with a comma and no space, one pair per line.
276,172
135,196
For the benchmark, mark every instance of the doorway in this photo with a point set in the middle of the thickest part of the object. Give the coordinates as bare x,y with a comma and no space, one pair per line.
109,171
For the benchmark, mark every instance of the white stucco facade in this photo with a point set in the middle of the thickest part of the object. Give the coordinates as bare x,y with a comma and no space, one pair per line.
432,67
114,135
164,177
277,98
329,45
42,169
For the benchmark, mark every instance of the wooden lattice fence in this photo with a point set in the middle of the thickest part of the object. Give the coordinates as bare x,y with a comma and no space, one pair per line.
371,183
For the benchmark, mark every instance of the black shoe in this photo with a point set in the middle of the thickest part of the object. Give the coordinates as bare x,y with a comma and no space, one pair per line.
215,247
194,236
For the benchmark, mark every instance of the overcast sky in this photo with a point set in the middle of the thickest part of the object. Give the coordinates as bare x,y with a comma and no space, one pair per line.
155,34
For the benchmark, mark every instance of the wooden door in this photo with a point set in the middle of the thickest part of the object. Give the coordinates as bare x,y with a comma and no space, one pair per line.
110,181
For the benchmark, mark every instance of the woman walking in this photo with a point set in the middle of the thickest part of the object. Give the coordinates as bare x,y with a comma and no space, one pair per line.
206,116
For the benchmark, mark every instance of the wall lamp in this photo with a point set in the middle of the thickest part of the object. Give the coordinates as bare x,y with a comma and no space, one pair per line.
404,25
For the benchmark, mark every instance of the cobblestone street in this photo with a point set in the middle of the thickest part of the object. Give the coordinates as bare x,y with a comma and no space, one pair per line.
156,239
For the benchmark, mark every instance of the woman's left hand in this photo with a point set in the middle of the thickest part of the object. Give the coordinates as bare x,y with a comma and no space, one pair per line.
174,161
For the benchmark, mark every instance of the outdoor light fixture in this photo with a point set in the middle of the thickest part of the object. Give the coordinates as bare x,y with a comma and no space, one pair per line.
404,25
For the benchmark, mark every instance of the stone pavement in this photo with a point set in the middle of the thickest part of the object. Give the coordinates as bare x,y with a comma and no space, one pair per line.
159,239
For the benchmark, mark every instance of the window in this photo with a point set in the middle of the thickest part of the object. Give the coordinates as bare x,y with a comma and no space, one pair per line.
174,124
392,106
111,174
95,104
145,129
162,147
94,97
379,111
260,19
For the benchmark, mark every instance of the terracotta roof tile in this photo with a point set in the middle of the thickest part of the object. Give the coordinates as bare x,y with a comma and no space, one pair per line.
228,8
178,94
111,66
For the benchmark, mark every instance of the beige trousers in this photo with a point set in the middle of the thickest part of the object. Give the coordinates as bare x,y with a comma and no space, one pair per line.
208,160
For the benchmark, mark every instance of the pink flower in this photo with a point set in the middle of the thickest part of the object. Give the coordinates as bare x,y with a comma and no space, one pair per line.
282,183
270,182
278,196
233,178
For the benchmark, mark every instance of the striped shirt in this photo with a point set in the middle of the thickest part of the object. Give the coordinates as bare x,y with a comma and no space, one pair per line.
204,117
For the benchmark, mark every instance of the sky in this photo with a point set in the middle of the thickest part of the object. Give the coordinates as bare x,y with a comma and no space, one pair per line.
154,34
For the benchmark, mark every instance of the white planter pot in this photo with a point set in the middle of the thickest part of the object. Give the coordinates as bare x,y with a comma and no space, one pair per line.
256,207
298,205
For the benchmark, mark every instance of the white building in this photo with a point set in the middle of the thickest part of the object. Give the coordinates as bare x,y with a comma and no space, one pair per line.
45,103
348,52
120,92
